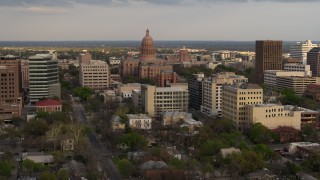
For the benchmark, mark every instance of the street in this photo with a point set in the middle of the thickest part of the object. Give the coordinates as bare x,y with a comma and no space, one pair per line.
104,156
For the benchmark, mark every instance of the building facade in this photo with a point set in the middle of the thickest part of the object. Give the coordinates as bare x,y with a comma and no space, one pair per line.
313,91
95,75
48,105
268,57
297,84
24,74
313,59
10,87
147,50
140,121
157,100
165,78
270,77
235,98
272,116
299,50
212,91
298,67
195,91
43,77
183,55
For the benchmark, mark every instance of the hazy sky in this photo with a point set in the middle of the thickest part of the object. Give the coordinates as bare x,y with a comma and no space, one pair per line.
25,20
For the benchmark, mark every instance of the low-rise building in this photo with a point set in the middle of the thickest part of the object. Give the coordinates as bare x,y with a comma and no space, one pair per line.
38,157
171,118
172,151
313,91
229,151
48,105
270,77
67,144
192,125
304,148
273,116
125,90
308,116
140,121
297,84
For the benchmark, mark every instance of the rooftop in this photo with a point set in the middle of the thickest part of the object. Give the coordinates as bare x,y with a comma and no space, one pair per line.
138,116
48,102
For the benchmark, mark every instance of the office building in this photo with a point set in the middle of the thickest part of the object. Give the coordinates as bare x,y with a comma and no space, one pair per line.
43,77
212,91
268,57
235,98
313,59
270,77
299,67
272,116
299,50
157,100
297,84
10,87
195,91
94,75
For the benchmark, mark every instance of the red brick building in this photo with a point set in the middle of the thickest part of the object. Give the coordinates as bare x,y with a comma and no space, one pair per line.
48,105
166,78
313,91
183,55
288,134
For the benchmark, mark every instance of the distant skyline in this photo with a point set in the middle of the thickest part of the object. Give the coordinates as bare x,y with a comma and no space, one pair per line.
206,20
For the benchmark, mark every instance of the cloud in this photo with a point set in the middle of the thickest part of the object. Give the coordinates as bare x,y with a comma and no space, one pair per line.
69,3
42,10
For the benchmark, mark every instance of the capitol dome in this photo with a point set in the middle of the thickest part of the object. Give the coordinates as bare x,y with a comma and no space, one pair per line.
147,51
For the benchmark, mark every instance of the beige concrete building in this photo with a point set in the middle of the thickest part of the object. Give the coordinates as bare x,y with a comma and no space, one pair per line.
270,77
298,84
157,100
235,98
172,118
212,91
272,116
94,75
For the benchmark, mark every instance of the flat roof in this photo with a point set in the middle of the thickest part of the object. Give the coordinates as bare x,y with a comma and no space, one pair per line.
138,116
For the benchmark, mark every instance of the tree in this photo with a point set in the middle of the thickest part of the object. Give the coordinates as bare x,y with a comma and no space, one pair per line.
210,148
177,163
265,152
260,134
48,176
125,167
54,133
30,166
63,174
133,140
5,168
309,133
77,131
313,161
205,133
82,92
35,127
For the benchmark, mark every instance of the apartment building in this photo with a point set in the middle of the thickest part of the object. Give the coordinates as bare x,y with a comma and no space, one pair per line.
212,91
235,98
272,116
43,77
10,86
157,100
270,77
297,84
95,75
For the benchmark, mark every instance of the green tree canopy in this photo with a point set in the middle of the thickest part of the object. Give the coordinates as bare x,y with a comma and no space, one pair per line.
5,168
35,127
260,134
82,92
125,167
133,140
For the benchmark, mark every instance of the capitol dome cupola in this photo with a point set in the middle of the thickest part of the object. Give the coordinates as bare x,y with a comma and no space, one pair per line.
147,51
